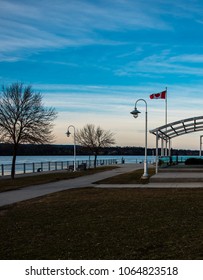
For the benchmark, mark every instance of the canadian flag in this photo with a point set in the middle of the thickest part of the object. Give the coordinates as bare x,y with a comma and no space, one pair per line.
160,95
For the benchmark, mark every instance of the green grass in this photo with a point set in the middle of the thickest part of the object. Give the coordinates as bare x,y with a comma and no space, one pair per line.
133,177
99,223
42,178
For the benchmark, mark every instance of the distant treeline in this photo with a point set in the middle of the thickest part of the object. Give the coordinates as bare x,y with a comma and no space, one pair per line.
60,150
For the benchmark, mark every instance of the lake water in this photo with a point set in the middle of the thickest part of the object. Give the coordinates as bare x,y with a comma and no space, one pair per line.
128,159
30,164
31,159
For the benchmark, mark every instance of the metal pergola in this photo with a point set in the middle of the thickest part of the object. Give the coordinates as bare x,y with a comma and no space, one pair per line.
175,129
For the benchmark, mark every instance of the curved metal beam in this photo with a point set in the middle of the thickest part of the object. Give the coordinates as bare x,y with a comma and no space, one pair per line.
178,128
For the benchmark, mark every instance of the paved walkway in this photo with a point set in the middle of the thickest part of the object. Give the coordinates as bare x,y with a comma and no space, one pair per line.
30,192
10,197
154,185
179,174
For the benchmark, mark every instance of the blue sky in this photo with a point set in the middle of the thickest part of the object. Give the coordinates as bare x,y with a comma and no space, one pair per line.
92,60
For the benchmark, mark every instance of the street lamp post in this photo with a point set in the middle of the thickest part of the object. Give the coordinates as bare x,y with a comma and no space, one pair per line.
68,135
135,113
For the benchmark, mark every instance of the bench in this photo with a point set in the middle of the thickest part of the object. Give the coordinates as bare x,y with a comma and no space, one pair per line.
82,166
70,167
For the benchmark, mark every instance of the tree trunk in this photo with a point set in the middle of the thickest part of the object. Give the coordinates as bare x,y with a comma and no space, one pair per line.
14,161
95,160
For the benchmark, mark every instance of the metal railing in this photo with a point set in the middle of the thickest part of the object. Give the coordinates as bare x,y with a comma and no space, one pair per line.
152,161
25,168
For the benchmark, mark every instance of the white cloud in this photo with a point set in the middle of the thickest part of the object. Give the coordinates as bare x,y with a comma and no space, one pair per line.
163,63
192,58
57,24
7,58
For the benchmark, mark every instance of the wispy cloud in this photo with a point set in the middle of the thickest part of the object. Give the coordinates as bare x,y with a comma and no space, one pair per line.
56,24
7,58
164,63
119,99
191,58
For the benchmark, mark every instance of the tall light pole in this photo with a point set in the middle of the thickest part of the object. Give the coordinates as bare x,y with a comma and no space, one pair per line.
200,150
135,113
68,134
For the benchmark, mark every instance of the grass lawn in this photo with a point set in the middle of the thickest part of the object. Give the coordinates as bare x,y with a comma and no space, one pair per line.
133,177
99,223
8,184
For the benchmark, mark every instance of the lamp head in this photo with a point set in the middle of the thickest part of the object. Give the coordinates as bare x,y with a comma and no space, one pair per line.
68,133
135,113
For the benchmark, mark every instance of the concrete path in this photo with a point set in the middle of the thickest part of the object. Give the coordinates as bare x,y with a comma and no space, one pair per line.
179,174
153,185
30,192
11,197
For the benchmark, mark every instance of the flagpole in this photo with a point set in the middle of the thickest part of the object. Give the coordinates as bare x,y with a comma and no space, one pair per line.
166,105
166,115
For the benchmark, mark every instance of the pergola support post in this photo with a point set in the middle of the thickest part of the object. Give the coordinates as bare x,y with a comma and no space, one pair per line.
162,147
169,152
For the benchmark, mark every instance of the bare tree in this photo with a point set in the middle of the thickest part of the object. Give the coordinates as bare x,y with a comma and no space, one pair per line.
23,118
94,138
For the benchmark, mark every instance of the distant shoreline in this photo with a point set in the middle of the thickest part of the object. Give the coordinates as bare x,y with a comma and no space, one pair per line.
64,150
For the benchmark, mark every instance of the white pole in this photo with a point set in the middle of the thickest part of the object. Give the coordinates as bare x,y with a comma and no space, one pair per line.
145,175
157,156
135,114
169,147
162,147
68,134
166,121
74,152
